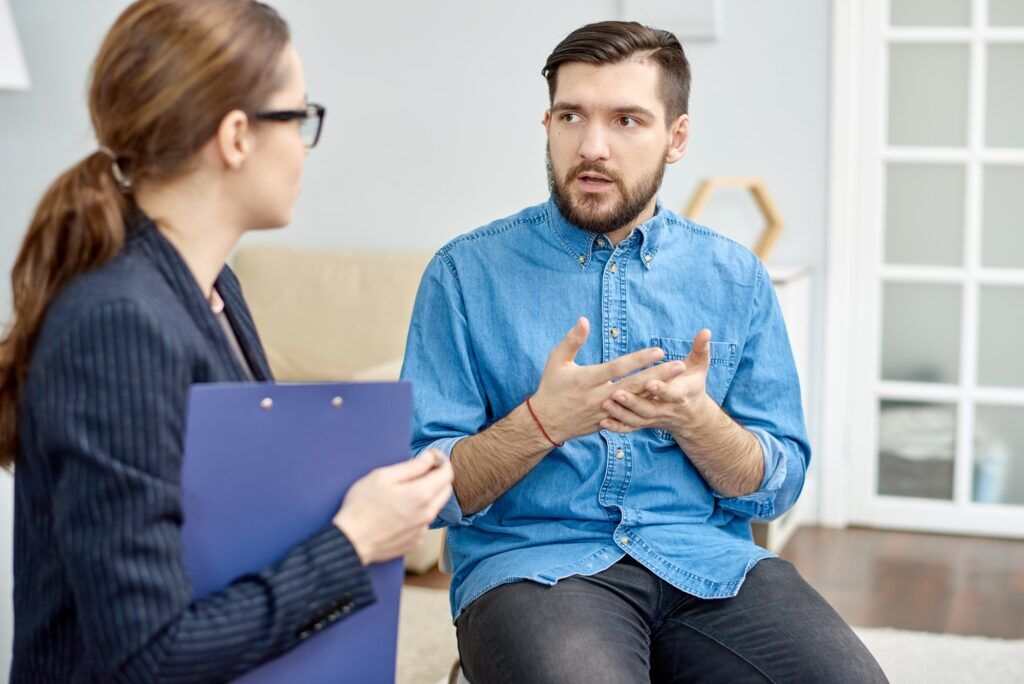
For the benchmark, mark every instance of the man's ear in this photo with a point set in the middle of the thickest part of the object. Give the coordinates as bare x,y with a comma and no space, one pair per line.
546,121
679,135
232,139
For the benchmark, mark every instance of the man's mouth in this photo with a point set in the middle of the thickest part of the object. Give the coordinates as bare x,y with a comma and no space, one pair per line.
594,182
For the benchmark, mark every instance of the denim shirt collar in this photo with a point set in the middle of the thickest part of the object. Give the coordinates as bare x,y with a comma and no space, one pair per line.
579,243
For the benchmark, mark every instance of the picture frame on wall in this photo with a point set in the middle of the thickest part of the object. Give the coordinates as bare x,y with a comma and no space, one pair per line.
690,20
13,72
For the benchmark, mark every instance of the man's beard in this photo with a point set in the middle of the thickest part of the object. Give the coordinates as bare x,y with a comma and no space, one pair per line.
585,213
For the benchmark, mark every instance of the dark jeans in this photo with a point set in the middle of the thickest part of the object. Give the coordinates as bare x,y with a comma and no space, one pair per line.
626,625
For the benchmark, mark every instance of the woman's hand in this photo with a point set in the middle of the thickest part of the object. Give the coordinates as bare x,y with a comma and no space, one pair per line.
386,513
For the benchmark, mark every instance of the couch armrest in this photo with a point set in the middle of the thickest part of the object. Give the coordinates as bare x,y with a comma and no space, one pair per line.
425,557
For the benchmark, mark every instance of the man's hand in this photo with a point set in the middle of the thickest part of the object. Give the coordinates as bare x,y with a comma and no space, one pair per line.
572,400
674,404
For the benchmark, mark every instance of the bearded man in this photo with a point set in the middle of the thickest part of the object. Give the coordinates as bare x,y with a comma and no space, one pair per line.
604,488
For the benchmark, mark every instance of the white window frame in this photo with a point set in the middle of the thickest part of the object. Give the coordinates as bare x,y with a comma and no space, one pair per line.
855,272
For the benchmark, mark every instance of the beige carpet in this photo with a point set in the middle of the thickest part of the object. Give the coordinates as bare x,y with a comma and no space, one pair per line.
426,649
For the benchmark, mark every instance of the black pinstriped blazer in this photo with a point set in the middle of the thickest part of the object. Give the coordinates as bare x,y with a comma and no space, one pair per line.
100,594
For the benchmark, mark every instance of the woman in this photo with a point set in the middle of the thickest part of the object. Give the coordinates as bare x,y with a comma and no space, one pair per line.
122,301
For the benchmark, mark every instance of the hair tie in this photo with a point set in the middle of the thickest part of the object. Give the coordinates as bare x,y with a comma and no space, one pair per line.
115,169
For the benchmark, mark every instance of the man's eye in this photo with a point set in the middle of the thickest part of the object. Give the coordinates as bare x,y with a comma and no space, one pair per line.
569,117
627,122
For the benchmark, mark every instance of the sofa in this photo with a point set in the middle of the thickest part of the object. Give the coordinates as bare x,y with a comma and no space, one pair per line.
332,315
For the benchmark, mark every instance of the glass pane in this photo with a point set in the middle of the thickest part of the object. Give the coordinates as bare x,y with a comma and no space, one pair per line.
1004,109
928,95
999,454
1001,329
1002,242
921,332
924,214
1005,13
930,12
916,444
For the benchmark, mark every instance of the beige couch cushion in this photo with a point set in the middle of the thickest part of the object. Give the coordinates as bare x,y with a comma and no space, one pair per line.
328,315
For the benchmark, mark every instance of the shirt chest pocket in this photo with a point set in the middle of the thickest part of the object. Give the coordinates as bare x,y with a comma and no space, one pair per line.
720,371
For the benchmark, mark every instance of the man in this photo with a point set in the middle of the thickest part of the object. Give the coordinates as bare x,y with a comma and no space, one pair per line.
600,529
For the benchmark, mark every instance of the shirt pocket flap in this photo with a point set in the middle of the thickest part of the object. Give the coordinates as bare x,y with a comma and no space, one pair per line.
722,353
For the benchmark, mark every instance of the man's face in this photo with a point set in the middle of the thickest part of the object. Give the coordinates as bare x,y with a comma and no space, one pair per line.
608,142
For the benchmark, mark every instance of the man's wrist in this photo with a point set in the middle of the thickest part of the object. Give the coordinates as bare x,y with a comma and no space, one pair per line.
544,433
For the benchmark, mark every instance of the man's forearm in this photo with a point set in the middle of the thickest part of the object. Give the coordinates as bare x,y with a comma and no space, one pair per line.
728,456
487,464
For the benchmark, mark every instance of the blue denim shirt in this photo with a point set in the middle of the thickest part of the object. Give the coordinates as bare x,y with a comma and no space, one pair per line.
491,306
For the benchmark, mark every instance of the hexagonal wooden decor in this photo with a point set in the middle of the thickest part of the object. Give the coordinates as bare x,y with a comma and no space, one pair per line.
773,219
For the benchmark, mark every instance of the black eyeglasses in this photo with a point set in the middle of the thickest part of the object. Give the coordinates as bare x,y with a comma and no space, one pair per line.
311,121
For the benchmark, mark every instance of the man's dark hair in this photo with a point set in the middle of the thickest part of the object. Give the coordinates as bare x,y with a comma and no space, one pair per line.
610,42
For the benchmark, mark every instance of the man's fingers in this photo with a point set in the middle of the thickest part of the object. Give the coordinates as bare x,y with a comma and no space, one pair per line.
566,350
628,363
621,414
616,426
666,372
642,407
700,351
663,391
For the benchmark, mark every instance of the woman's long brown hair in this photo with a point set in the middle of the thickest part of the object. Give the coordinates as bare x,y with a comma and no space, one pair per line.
167,73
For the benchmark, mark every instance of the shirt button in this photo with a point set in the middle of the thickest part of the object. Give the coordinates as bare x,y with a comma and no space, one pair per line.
619,453
600,242
614,332
625,540
614,267
647,258
582,259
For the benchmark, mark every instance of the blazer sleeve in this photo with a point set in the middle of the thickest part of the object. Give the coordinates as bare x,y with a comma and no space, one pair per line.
110,419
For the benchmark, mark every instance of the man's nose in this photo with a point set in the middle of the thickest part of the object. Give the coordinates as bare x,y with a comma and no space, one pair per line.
594,146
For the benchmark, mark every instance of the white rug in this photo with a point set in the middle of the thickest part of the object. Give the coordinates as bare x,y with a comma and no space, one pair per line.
427,649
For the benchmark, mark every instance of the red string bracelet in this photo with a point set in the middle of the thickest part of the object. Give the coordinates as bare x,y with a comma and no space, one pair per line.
537,421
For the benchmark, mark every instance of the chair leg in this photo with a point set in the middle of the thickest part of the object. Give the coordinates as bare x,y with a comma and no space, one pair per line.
453,676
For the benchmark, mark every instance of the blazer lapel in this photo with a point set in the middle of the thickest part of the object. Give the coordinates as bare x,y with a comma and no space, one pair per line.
241,321
147,237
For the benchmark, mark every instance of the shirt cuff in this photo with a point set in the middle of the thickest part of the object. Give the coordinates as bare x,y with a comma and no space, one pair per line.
761,504
451,514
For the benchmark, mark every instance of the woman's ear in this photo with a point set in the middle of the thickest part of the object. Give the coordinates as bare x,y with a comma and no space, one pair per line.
232,141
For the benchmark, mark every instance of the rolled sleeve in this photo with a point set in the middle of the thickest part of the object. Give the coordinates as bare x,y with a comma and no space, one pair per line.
449,402
451,515
764,398
776,487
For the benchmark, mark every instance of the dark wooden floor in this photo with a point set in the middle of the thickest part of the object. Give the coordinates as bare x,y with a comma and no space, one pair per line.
926,582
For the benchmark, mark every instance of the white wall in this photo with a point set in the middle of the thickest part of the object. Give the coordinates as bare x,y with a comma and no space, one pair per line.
433,126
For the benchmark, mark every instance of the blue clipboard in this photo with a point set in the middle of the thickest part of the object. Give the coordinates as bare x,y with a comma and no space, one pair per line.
266,466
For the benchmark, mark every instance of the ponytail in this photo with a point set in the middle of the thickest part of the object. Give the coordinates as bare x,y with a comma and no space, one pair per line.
165,75
78,226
